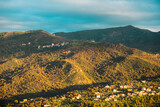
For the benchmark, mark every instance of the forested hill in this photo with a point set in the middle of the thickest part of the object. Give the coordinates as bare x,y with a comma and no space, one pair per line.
19,44
79,62
128,35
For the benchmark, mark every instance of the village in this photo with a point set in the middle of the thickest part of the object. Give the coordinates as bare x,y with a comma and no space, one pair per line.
117,92
47,46
107,93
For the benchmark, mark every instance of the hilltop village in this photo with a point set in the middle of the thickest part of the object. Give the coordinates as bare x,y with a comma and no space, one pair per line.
47,46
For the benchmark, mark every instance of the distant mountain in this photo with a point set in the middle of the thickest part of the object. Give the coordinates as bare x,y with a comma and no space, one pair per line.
128,35
23,43
80,62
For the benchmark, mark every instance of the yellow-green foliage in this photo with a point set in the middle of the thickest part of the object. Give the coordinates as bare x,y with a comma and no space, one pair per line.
79,63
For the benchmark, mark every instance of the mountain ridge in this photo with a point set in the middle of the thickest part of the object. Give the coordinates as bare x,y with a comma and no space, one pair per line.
25,42
131,36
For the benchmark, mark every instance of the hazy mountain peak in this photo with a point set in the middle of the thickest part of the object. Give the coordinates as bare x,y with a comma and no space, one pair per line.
128,35
130,26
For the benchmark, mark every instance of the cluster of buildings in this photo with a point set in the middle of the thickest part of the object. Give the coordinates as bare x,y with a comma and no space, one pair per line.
125,91
29,100
53,45
26,100
116,92
24,44
47,46
112,93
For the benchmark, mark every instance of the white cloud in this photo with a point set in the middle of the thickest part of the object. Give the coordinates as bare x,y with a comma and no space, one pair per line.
32,14
152,28
127,8
12,25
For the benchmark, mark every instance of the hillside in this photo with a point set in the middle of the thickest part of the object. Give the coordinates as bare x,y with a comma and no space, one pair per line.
20,44
78,63
128,35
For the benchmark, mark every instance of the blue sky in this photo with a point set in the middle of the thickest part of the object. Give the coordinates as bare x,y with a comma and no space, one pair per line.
73,15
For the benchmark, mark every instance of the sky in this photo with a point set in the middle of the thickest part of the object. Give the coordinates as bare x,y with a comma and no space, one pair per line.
74,15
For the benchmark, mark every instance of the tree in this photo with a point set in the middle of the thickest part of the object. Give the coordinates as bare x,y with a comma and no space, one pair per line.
16,101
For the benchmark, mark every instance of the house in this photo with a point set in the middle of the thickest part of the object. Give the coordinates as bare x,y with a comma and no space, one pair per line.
151,87
143,89
47,105
107,86
96,92
24,100
96,99
21,102
123,95
143,81
148,90
39,46
98,96
52,44
117,96
112,96
44,46
140,94
158,93
31,99
62,44
29,43
114,90
57,45
121,86
125,86
152,93
23,44
47,46
108,99
128,94
78,97
115,99
73,98
149,94
145,93
67,52
133,94
129,89
63,98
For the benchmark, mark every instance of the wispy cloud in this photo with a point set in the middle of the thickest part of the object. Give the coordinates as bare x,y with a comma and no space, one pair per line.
69,15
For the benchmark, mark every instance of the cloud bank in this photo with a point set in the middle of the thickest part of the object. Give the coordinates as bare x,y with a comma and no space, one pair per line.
73,15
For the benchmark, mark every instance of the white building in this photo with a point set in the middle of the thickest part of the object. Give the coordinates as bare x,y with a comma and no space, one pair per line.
114,90
98,96
143,89
39,47
107,86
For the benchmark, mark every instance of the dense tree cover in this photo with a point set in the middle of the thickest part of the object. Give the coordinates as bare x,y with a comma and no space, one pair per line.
21,44
128,35
80,62
87,98
144,101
